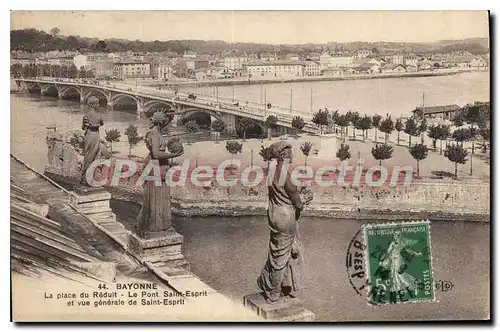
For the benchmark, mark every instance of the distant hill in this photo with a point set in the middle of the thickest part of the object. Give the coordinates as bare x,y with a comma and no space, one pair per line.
32,40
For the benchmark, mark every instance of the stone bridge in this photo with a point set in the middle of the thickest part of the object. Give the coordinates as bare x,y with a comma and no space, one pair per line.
148,100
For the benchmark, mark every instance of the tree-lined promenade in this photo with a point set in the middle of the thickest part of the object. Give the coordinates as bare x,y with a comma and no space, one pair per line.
462,143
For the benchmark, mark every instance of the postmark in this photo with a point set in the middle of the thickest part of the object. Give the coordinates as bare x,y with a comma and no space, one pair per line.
399,262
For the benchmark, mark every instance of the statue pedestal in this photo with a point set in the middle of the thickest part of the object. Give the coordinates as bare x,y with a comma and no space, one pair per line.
286,309
94,203
162,249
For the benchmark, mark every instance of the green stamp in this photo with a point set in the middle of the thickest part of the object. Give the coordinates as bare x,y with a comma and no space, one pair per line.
399,262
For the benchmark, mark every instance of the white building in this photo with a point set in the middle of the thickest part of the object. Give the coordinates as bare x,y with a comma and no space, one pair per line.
66,61
162,71
126,69
398,59
334,61
361,54
325,60
312,68
234,62
280,68
190,55
342,61
410,60
103,68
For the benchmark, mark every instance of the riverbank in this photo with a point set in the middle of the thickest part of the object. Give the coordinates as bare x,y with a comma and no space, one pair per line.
438,199
464,199
253,81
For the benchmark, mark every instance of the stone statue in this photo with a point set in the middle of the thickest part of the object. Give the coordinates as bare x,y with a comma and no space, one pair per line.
93,149
281,275
154,220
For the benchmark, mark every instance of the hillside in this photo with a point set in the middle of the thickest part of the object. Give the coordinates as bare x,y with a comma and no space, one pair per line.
32,40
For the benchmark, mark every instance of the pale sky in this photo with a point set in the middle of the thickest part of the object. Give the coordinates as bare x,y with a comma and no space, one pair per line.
273,27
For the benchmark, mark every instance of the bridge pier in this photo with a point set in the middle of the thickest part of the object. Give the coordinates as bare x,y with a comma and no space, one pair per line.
140,111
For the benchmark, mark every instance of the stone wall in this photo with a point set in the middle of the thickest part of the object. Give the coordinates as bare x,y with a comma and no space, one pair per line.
441,198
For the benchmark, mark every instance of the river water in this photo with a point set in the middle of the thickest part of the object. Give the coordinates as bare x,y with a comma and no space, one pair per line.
228,253
396,96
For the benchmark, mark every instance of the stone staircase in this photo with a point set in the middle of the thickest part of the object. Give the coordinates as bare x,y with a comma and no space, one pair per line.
38,242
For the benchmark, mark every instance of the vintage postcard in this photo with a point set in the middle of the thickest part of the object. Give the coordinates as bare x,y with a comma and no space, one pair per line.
250,166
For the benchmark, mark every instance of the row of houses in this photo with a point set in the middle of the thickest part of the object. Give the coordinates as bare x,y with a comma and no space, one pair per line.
190,65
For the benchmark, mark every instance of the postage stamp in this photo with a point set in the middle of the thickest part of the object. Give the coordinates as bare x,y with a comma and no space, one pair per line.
399,262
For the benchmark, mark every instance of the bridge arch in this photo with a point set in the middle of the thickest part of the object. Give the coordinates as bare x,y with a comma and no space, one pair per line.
65,90
120,96
49,89
191,111
33,86
149,107
100,94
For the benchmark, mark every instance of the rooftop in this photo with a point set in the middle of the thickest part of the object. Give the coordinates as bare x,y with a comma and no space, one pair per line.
437,109
131,62
275,63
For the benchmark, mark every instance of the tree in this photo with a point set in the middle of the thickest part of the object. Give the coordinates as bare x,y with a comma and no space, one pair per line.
387,127
54,31
174,145
461,135
444,132
271,123
82,73
77,140
192,126
434,133
422,128
133,137
399,126
343,122
353,118
298,123
365,123
100,46
456,154
376,123
243,125
411,128
320,119
484,130
233,148
343,152
112,136
382,152
459,117
265,153
218,126
72,71
334,117
306,149
93,102
418,152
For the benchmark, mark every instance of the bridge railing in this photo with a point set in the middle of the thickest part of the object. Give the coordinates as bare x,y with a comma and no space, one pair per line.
247,107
